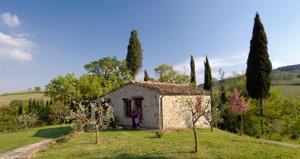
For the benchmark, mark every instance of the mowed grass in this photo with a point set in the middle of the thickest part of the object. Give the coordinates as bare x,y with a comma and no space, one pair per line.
5,99
288,90
141,144
12,140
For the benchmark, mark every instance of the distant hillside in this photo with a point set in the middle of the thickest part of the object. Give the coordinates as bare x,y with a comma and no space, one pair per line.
6,98
289,68
286,79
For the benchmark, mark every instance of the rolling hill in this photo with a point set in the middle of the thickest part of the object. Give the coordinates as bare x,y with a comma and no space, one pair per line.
289,68
286,79
6,98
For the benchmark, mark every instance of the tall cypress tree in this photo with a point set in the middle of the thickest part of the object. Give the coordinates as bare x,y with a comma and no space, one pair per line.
259,66
207,76
146,76
134,54
193,72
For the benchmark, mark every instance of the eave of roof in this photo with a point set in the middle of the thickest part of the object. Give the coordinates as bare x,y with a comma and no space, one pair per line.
167,88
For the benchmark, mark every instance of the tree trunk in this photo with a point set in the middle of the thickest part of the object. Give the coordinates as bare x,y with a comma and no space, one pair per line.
97,134
195,137
242,125
261,116
211,126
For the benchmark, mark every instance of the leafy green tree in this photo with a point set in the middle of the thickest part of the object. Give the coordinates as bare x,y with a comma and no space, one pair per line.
193,72
259,66
90,87
59,112
167,74
273,114
63,88
37,88
146,76
134,54
109,68
290,115
207,76
112,73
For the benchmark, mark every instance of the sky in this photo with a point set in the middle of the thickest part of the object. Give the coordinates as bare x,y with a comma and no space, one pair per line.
40,40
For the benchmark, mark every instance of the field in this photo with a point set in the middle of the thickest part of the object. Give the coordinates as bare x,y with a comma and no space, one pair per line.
12,140
142,144
288,90
5,99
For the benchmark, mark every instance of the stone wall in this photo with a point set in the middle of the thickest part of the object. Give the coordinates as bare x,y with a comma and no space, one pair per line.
150,105
175,114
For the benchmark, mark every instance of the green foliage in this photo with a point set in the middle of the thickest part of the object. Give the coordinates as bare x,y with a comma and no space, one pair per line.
168,75
62,88
109,68
37,88
89,87
58,112
259,66
207,76
158,134
27,121
38,106
105,75
252,121
290,115
273,114
146,76
134,54
279,118
238,82
295,127
193,72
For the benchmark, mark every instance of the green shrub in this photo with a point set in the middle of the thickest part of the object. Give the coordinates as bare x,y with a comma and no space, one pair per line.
89,127
158,134
8,123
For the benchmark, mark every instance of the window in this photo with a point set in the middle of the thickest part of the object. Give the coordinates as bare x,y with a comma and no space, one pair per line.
127,107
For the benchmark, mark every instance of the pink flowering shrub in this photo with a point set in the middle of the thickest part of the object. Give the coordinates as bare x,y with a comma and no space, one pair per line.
238,104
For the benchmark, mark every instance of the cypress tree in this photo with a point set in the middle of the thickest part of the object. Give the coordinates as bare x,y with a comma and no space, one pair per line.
134,54
207,76
259,66
146,76
193,72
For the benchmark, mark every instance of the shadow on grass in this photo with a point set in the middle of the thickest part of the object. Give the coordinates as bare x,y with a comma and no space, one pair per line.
136,156
53,132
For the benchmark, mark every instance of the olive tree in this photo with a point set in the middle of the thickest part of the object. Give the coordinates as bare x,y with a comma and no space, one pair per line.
196,108
100,115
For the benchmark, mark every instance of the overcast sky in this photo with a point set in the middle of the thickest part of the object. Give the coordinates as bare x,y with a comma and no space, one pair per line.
42,39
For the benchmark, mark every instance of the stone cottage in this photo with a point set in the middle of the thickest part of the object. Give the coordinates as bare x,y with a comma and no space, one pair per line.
158,104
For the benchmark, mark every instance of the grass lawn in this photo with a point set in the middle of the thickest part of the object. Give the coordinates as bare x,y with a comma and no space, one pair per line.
278,137
12,140
141,144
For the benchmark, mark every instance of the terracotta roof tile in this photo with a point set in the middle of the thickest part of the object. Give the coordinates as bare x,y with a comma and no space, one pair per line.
170,89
